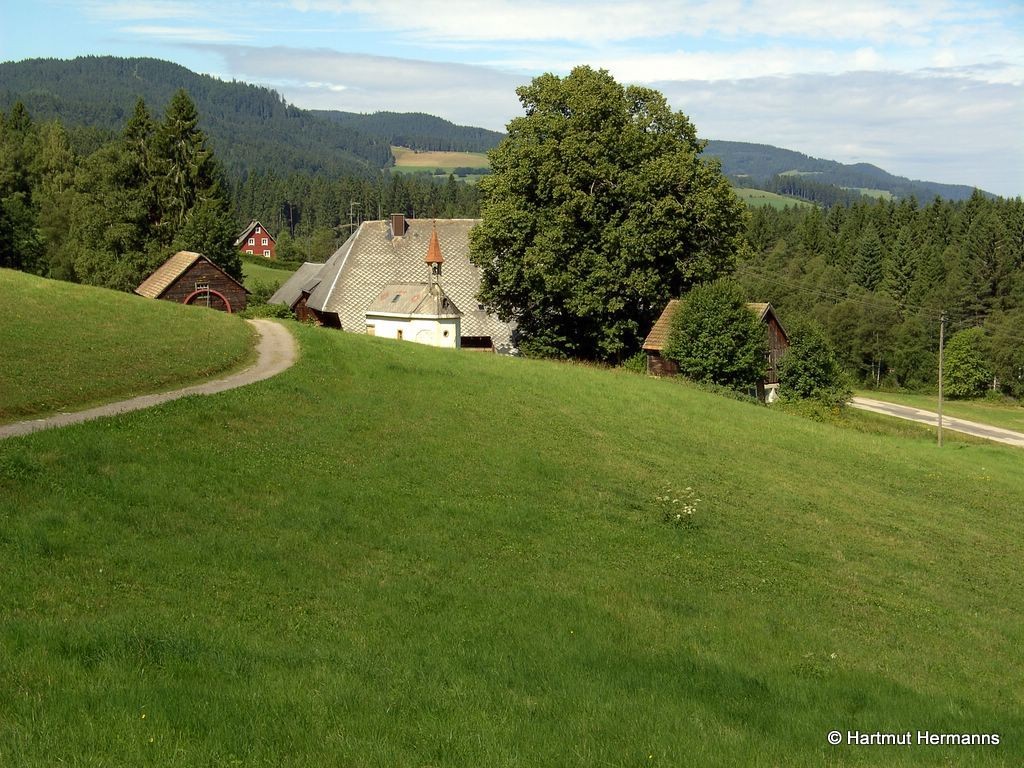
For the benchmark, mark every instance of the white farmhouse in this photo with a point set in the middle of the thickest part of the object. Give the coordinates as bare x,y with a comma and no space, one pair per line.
382,254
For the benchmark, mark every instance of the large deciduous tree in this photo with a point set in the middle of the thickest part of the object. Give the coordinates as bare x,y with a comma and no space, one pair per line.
809,369
966,371
598,209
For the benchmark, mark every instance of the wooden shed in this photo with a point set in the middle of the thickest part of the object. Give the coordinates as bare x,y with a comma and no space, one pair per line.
656,341
191,278
778,340
778,343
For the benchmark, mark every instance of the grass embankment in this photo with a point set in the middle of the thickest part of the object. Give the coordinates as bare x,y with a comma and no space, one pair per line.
392,555
68,347
998,414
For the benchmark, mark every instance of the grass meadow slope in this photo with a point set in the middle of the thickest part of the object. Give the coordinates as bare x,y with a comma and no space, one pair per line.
68,347
393,555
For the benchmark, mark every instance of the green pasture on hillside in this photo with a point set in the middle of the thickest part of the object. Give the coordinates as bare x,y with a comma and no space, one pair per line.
411,160
393,555
759,197
881,194
68,347
1005,414
253,272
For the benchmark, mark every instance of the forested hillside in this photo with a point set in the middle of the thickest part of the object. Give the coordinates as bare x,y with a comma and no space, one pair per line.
879,275
417,130
251,128
757,165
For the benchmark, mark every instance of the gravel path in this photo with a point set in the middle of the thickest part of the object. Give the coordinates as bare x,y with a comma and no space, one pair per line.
276,352
928,417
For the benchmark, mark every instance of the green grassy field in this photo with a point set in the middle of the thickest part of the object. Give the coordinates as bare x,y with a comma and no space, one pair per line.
410,160
1006,415
759,197
880,194
393,555
268,272
258,273
68,347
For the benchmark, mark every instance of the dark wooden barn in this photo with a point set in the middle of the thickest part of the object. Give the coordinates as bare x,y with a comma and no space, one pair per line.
191,278
778,343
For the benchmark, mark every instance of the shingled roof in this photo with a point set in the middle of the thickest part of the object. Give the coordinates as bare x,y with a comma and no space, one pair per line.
658,337
304,279
412,299
153,287
373,257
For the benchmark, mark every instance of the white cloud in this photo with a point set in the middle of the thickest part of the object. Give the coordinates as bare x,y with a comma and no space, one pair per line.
143,10
325,79
916,23
184,34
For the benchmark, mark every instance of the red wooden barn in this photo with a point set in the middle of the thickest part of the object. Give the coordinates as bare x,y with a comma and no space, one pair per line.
256,241
191,278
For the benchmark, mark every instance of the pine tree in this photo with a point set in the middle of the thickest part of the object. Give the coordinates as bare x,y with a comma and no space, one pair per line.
900,268
188,171
868,265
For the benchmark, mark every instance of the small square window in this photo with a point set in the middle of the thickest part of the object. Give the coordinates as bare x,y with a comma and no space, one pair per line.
249,251
258,230
266,253
252,241
265,242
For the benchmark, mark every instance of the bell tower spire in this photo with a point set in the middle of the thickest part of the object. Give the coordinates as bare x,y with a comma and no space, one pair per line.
434,257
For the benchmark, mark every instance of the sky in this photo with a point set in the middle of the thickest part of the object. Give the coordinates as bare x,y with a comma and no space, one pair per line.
927,89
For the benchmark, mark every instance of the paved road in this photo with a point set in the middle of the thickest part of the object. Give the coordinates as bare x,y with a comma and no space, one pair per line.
276,351
928,417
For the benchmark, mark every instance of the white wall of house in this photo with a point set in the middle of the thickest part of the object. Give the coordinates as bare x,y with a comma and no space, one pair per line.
433,331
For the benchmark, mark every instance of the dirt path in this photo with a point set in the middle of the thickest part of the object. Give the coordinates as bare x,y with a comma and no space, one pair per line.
928,417
276,351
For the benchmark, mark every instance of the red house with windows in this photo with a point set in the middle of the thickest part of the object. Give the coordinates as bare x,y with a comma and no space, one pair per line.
256,241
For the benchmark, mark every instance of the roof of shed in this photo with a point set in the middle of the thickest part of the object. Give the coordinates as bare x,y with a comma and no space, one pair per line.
658,337
154,286
158,282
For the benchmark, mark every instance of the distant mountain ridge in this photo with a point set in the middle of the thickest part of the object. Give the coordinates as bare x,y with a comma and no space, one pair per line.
253,129
762,162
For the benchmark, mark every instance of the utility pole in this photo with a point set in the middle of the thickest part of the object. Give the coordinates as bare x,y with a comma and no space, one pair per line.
352,214
942,338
